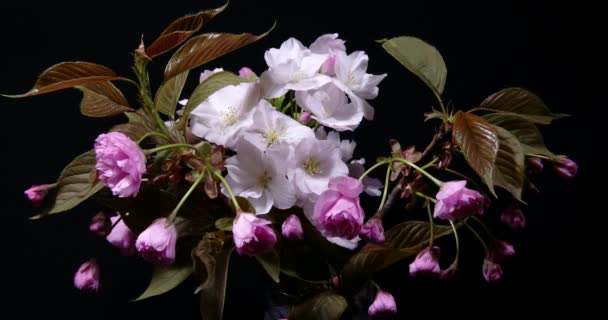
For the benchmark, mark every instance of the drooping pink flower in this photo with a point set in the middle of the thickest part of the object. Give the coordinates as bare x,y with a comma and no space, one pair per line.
292,228
373,231
100,224
37,193
534,165
121,236
565,168
455,201
383,306
120,163
426,263
492,271
157,243
337,212
252,235
500,250
87,276
514,218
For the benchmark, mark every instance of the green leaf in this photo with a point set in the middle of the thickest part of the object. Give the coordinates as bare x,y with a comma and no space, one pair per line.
77,182
526,132
271,263
203,259
180,30
133,130
420,58
522,103
165,279
204,48
224,223
327,305
168,94
213,297
102,99
479,143
67,75
206,88
509,164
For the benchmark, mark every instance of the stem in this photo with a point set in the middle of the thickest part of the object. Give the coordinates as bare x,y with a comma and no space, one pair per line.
440,102
170,146
150,134
431,145
428,175
428,209
428,198
227,186
485,228
431,163
457,241
185,197
483,243
374,167
385,192
394,193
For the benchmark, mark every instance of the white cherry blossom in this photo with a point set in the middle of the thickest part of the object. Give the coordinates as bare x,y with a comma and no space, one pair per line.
330,107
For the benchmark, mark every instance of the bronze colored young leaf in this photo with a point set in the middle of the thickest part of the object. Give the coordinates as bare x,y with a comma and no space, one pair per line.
213,297
224,223
180,30
526,132
77,182
271,263
67,75
479,143
168,94
327,305
206,88
165,279
509,164
204,48
102,99
420,58
522,103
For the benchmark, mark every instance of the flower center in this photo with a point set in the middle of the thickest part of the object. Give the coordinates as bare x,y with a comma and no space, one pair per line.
264,179
312,166
230,116
297,76
271,137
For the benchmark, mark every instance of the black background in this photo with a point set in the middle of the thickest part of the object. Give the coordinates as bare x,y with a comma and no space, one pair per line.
548,48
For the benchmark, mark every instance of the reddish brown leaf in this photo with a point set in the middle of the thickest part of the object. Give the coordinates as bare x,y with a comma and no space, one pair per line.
67,75
168,94
180,30
479,143
133,130
102,99
509,165
522,103
204,48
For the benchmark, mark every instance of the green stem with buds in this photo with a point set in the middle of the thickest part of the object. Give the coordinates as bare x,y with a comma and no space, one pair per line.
483,243
428,210
185,197
151,134
372,168
170,146
227,186
385,192
428,198
417,168
485,228
457,241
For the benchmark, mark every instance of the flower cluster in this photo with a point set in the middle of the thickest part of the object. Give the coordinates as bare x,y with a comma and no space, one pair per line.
258,164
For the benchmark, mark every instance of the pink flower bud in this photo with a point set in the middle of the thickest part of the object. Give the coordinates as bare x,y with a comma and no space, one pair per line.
121,236
252,235
100,224
329,66
292,228
87,276
455,201
373,231
426,263
304,117
492,271
514,218
384,305
500,250
565,168
247,73
337,212
157,243
534,165
120,163
37,193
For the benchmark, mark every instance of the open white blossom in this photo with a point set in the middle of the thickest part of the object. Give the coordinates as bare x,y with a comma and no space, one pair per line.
372,186
260,177
330,107
273,127
328,44
225,113
346,147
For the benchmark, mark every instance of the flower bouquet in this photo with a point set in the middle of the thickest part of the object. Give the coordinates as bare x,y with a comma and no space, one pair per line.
260,165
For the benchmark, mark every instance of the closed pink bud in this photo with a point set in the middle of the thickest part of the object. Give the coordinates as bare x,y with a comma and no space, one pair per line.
87,276
534,165
514,218
500,250
455,201
304,117
383,306
37,193
292,228
157,243
252,235
426,263
565,168
100,224
122,237
373,231
120,163
247,73
337,212
492,271
329,66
